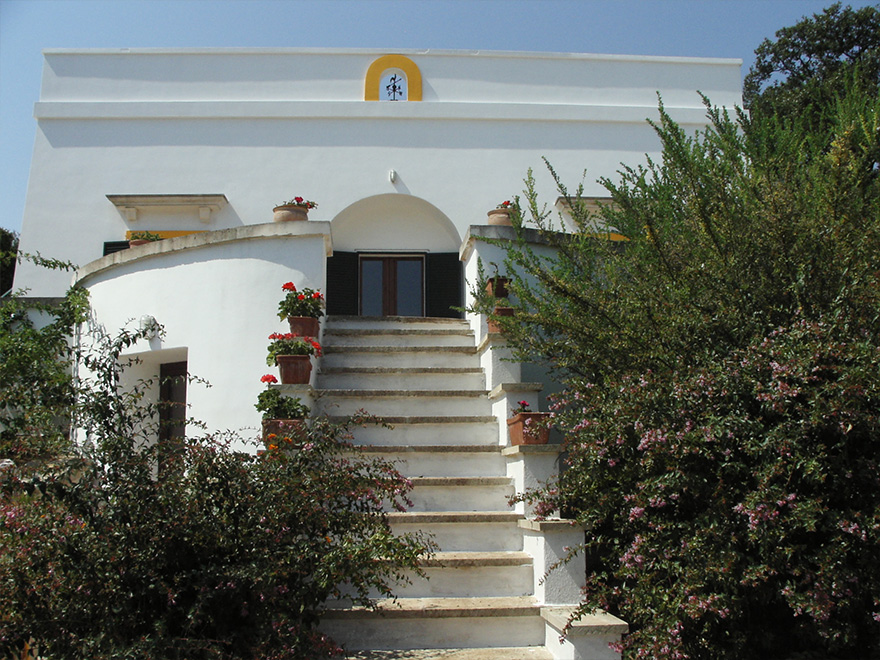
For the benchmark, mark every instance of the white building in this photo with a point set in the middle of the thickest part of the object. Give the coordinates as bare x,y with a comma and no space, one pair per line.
404,153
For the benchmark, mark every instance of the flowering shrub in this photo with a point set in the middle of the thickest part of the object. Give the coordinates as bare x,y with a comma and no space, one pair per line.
288,343
228,556
299,201
722,372
306,302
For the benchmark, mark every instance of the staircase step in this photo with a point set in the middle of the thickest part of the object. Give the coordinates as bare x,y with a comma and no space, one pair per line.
438,608
443,460
378,322
412,623
437,430
461,493
381,378
405,402
504,653
469,575
424,517
399,356
335,336
460,559
463,531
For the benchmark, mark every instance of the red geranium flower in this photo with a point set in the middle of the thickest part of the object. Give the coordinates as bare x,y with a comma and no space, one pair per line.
288,286
298,199
268,378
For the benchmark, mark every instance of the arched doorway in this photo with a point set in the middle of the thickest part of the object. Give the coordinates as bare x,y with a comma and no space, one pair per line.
394,255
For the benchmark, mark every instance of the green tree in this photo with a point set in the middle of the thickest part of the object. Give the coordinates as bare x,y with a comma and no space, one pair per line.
811,61
722,372
37,390
8,252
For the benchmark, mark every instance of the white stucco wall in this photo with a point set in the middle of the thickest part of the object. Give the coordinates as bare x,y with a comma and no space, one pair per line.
263,125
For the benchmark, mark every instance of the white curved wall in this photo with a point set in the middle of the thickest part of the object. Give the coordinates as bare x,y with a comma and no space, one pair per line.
216,296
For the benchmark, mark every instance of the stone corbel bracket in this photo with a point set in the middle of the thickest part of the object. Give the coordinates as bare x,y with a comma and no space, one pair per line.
207,204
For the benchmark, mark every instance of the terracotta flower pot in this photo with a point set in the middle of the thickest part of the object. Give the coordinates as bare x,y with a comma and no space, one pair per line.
497,287
284,432
304,326
500,217
291,213
499,311
527,429
294,369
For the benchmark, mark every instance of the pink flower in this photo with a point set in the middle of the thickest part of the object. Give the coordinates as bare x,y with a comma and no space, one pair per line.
268,378
636,512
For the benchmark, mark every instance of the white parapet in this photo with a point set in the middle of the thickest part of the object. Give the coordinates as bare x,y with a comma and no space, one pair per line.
588,637
531,466
560,572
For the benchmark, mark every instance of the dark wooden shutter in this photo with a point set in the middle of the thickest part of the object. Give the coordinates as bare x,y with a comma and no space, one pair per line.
172,414
443,284
114,246
342,284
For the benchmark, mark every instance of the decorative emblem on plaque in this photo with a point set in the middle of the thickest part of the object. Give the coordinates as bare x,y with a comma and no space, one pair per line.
395,87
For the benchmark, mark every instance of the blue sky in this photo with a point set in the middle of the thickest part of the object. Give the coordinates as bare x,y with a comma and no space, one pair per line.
702,28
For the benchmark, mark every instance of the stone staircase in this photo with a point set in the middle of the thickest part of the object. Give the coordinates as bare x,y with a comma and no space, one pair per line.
484,597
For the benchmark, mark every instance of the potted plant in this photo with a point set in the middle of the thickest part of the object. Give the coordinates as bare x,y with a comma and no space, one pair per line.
142,238
500,215
527,427
499,310
283,416
302,309
293,210
486,300
292,353
497,286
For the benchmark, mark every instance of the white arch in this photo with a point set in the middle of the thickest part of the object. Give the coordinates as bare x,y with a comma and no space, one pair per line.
396,222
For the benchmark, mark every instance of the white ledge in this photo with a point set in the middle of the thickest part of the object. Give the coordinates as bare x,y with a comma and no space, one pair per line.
440,110
502,388
598,623
129,205
208,239
519,450
553,525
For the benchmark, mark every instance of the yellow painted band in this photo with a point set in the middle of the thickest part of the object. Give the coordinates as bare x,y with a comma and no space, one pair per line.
409,68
